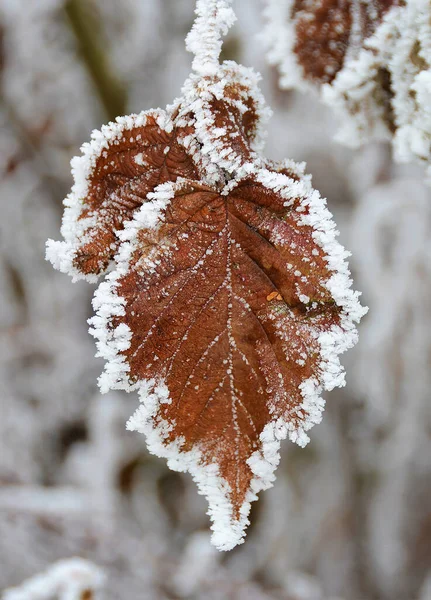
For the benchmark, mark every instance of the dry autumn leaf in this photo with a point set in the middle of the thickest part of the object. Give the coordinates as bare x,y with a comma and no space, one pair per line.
222,373
228,112
229,299
328,32
369,61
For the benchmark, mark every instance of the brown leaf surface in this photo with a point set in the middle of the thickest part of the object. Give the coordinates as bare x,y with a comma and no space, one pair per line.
326,30
127,168
225,301
227,111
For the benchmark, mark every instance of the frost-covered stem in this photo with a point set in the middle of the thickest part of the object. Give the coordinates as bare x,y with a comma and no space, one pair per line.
213,20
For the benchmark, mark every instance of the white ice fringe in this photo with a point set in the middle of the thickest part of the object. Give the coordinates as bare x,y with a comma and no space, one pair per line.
278,37
111,343
214,19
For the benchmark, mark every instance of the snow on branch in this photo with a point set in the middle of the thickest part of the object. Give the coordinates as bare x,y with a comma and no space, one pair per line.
70,579
214,19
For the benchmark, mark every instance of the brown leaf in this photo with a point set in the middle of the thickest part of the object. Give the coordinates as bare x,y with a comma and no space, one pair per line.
216,362
122,164
369,61
128,167
229,301
228,113
328,30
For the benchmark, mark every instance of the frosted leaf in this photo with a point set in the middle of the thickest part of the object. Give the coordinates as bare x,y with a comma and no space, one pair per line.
237,304
228,114
229,300
369,61
311,40
122,163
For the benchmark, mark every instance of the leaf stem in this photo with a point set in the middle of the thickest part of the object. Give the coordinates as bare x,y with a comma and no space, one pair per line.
213,20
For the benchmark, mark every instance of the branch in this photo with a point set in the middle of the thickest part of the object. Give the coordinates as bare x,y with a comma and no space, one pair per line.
110,90
72,579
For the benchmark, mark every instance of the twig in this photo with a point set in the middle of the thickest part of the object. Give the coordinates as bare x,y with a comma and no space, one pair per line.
111,91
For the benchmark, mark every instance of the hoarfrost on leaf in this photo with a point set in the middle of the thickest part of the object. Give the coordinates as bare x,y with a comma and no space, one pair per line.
229,299
369,61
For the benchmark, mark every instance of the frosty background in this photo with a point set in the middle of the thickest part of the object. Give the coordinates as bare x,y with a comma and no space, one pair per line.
350,515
